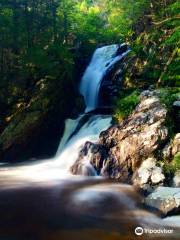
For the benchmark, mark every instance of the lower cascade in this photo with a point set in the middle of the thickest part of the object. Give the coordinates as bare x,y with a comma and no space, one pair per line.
77,132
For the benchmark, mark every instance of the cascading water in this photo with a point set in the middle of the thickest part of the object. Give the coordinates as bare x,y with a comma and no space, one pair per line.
103,59
88,131
86,127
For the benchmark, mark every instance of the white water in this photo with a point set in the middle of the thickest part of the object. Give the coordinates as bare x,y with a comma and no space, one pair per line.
74,139
89,131
103,59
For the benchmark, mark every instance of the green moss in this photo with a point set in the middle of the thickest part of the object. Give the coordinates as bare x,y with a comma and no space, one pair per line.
176,161
125,105
168,96
169,168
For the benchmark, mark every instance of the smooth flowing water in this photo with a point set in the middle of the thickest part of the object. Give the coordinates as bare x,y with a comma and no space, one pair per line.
103,59
44,201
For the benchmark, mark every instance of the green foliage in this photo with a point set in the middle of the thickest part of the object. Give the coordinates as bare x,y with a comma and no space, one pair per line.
169,171
169,168
125,105
156,46
168,96
176,161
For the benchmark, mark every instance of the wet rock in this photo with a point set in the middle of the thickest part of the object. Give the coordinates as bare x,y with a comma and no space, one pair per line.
122,48
112,80
164,199
130,142
90,160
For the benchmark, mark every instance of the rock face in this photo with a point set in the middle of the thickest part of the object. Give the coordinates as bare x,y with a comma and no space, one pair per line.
165,199
93,152
176,107
112,81
172,148
148,174
33,128
176,179
123,147
176,144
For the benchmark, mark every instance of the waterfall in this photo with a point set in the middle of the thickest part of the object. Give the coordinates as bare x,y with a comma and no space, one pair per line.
103,59
87,127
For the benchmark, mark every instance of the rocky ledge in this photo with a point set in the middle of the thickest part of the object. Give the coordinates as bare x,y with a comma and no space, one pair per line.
132,150
164,199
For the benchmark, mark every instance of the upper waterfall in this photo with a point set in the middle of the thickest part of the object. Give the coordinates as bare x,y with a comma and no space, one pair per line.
103,59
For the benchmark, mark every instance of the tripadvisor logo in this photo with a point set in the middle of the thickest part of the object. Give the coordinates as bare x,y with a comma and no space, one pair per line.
140,231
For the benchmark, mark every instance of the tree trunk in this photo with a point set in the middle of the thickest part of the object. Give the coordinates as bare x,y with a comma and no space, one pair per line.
54,8
65,27
15,27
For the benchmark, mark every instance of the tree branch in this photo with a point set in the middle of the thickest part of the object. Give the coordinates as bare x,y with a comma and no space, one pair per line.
166,20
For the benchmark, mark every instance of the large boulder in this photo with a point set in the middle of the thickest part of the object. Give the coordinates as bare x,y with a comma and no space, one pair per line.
130,142
164,199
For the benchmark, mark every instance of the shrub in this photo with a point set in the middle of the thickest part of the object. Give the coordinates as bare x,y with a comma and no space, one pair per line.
125,105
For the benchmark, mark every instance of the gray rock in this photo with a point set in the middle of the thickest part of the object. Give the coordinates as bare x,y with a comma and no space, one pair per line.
176,144
167,151
172,148
148,173
176,179
157,176
164,199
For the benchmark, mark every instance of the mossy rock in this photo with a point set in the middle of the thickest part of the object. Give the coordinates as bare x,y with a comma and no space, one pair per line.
19,128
